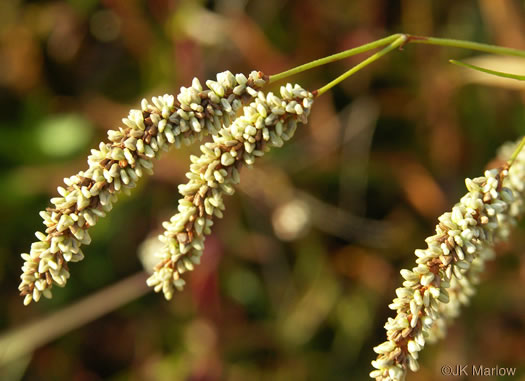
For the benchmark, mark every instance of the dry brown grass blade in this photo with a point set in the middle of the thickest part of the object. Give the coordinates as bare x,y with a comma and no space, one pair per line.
21,341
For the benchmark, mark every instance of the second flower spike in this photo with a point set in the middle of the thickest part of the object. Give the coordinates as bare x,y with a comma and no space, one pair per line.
267,122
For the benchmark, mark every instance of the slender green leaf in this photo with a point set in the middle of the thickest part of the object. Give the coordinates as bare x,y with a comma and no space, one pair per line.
488,71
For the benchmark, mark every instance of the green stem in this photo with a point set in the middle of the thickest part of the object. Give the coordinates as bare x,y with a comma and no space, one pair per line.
334,57
517,151
466,45
401,39
447,42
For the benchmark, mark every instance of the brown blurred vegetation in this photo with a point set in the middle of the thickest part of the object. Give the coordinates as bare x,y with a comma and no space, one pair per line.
296,279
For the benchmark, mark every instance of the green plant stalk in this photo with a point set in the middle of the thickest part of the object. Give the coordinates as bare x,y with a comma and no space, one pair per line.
399,40
446,42
334,57
402,39
462,44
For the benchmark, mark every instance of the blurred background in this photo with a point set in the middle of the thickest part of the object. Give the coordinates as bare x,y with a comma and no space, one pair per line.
296,279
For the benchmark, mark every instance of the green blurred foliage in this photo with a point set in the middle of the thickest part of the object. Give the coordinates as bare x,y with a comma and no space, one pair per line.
309,306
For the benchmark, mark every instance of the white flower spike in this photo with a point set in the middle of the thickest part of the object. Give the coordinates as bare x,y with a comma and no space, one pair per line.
448,269
267,122
117,165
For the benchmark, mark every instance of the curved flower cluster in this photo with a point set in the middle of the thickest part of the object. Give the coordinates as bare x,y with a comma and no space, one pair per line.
442,280
267,122
117,165
461,290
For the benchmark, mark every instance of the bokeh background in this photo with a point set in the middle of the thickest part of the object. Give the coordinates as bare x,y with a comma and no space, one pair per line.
296,279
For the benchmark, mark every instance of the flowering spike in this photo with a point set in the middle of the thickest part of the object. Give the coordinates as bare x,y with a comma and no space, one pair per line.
449,268
213,174
118,164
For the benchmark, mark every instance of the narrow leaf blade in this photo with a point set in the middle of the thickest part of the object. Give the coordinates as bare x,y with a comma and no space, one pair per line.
488,71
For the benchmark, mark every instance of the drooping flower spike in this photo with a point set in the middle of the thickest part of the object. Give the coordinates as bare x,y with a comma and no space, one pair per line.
267,122
461,290
117,165
448,269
